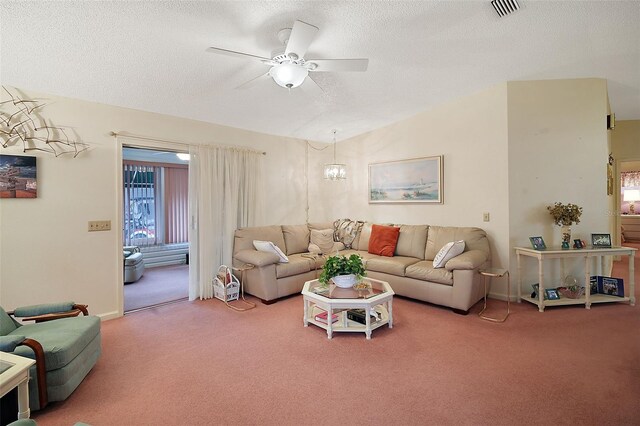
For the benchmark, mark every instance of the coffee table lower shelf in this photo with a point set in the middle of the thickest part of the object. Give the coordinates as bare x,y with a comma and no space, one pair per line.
345,325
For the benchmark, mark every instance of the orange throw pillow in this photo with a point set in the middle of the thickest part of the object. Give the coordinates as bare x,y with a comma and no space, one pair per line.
383,240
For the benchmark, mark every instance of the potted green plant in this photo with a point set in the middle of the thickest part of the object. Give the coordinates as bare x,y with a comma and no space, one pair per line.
344,271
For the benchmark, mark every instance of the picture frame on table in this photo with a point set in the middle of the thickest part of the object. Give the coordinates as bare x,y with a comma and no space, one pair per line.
538,243
551,294
601,240
577,244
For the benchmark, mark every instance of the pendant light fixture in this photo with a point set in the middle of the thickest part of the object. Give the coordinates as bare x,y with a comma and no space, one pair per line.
335,171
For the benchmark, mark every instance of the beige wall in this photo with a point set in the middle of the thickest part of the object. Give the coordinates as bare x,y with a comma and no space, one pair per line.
509,151
471,134
46,253
557,152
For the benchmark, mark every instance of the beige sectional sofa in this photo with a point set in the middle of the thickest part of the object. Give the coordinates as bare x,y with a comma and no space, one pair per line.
410,271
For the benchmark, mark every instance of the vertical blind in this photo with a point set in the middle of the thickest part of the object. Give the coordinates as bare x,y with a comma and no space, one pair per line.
156,203
176,202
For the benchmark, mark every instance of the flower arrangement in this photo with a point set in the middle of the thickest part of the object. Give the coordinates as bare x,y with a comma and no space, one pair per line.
342,265
565,214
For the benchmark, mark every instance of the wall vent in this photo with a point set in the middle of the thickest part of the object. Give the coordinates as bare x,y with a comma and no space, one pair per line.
505,7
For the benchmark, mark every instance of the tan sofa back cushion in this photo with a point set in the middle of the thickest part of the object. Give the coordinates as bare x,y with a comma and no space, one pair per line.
365,235
320,225
438,236
243,239
412,241
296,238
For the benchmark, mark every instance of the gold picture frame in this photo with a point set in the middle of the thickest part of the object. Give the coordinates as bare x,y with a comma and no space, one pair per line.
417,180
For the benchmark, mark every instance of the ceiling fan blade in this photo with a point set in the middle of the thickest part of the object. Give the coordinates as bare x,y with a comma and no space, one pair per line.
253,82
234,53
311,86
338,64
302,34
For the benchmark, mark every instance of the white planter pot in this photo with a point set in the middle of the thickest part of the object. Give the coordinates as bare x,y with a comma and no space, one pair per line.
344,281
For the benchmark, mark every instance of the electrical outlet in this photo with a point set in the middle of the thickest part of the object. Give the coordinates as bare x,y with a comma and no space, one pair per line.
485,217
99,225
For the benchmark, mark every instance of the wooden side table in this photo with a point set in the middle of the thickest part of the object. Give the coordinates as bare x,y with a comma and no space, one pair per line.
499,273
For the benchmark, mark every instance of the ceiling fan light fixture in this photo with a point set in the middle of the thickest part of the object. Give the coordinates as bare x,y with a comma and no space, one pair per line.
288,74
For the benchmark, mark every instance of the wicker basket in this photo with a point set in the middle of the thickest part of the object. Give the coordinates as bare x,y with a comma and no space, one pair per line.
226,286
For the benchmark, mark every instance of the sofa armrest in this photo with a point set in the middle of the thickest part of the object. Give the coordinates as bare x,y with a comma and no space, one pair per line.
8,343
257,258
49,311
471,259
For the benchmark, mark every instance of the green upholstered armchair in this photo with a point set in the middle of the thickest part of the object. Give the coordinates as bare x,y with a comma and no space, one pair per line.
64,345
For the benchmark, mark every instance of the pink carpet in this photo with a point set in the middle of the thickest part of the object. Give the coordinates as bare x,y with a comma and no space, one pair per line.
161,284
200,363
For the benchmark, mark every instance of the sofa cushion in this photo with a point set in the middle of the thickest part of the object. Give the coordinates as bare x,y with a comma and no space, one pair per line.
320,225
412,241
298,264
425,271
383,240
448,251
346,231
395,265
63,339
296,238
133,259
269,247
474,238
243,237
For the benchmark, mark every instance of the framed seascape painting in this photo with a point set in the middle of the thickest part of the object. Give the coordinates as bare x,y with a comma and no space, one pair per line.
17,176
417,180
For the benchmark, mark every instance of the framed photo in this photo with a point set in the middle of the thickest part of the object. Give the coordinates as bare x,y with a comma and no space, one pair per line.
18,176
551,294
601,240
417,180
578,244
538,243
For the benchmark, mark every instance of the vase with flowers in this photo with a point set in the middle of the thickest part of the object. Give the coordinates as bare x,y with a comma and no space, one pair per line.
565,215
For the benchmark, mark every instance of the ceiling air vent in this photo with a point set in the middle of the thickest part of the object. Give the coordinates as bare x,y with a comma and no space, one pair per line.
505,7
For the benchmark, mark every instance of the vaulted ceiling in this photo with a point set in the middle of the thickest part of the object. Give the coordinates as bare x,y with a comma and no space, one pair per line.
152,56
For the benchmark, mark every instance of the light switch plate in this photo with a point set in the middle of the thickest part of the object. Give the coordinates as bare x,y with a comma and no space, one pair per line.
99,225
485,217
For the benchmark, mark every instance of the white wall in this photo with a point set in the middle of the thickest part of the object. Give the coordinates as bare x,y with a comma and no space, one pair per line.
46,253
471,134
557,152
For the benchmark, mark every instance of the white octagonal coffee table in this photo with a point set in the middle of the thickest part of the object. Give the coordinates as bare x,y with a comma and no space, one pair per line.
370,296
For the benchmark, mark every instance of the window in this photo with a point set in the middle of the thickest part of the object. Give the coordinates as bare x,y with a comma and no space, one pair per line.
155,203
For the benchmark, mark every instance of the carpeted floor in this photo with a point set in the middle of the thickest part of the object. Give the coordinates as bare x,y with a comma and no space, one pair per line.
200,363
158,285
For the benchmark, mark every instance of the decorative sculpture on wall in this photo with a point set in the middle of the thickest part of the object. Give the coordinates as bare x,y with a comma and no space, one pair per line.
20,122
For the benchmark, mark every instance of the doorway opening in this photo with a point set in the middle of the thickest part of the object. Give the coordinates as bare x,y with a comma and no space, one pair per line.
155,227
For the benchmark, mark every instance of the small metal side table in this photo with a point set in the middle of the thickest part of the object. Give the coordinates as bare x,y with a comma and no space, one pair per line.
250,305
495,272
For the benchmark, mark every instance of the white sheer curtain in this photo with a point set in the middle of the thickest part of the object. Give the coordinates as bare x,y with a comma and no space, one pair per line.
223,196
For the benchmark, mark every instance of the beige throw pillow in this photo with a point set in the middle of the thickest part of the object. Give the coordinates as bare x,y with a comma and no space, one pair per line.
322,242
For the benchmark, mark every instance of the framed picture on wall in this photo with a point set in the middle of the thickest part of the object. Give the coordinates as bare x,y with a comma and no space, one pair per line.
18,176
417,180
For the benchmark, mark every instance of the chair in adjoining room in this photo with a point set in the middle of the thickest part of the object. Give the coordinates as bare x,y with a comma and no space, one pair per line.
64,345
133,264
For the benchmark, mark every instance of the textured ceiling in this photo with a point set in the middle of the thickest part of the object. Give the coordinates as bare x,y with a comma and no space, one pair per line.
151,56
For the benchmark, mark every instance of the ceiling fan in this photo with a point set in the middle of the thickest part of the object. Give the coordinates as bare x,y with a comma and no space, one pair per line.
289,68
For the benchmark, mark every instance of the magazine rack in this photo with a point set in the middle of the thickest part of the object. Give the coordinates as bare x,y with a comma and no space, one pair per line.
228,289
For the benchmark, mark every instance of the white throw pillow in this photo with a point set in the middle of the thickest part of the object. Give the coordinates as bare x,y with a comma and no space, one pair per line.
270,247
449,251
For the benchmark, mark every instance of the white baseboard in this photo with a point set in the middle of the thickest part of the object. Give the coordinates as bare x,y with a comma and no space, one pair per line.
109,315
